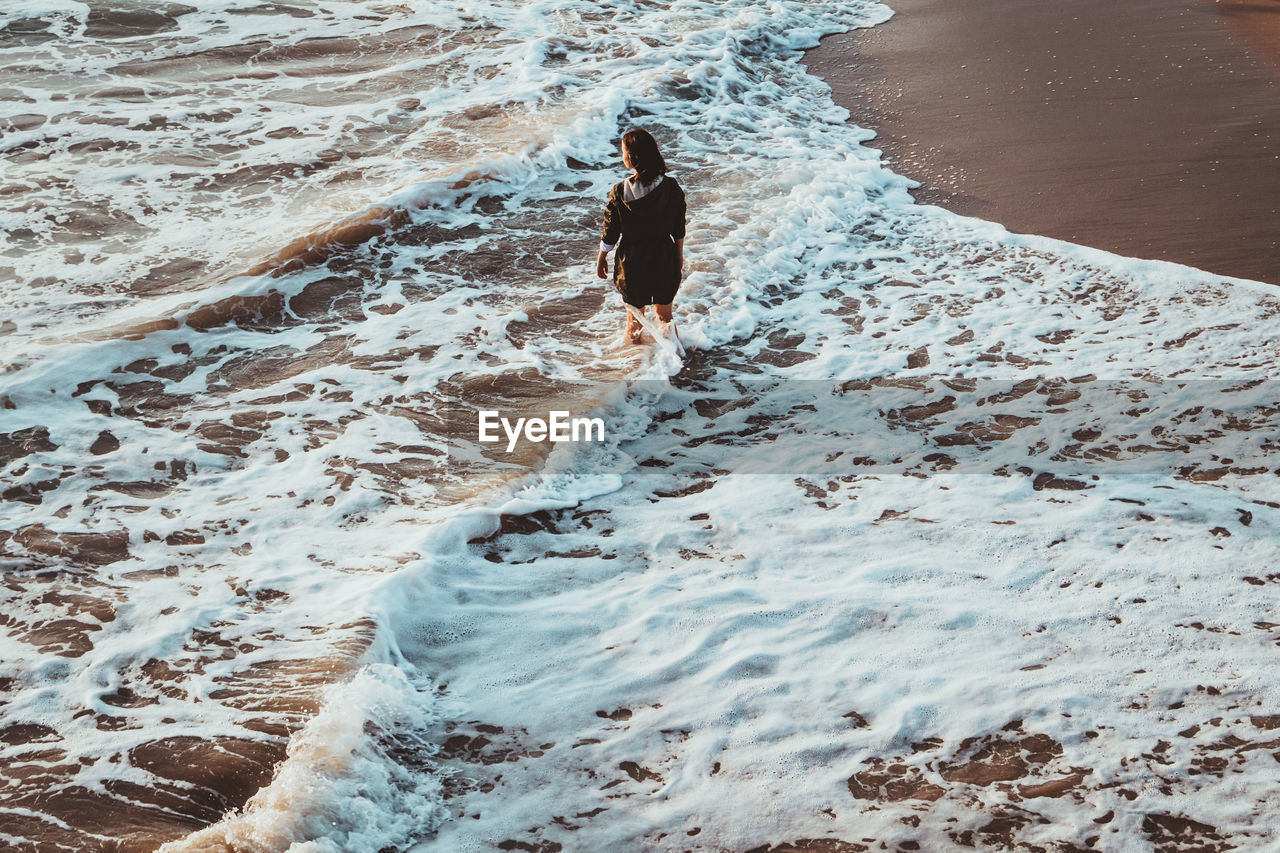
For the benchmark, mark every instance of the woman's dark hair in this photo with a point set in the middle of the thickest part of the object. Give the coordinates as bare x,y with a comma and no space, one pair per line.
643,152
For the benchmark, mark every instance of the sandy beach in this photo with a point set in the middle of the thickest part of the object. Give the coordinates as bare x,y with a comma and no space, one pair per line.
1150,129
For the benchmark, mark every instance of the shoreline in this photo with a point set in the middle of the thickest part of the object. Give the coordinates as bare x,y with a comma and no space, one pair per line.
1140,129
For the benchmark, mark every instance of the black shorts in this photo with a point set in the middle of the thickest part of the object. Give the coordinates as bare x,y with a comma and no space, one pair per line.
647,272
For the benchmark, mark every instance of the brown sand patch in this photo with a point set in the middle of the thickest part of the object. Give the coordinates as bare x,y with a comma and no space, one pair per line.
475,746
987,761
892,782
1178,834
996,758
78,549
812,845
24,442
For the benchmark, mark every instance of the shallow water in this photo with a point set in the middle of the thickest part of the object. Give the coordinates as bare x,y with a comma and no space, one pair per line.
247,543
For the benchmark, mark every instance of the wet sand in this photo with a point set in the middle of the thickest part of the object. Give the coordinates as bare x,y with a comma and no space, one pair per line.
1149,128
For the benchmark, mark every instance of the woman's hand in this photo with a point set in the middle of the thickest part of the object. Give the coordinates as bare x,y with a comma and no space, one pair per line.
602,265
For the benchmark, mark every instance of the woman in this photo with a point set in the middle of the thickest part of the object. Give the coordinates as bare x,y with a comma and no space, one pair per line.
644,219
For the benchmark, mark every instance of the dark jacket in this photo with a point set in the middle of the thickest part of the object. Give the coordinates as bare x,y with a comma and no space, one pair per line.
647,266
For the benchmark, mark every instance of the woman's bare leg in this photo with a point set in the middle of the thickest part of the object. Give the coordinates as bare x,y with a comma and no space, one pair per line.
633,325
664,316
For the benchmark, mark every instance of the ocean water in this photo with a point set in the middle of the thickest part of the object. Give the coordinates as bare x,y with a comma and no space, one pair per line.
938,537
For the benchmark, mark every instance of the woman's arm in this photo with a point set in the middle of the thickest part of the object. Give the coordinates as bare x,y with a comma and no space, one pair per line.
609,237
